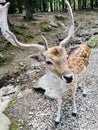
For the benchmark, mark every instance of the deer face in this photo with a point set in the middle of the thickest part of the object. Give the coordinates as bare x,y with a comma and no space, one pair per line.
57,63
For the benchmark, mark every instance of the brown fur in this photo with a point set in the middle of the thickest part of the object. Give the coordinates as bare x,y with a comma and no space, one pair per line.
79,59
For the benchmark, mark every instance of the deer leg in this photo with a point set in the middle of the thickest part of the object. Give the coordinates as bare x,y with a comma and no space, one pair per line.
57,120
74,103
83,85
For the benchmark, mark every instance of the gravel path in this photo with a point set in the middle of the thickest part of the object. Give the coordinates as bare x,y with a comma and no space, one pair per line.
33,112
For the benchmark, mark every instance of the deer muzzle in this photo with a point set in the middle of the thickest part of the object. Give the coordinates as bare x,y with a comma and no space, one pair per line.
67,77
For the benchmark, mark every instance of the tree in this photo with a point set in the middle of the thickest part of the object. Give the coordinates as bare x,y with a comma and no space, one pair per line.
63,4
12,8
79,5
44,4
20,4
74,5
96,3
28,6
84,4
91,4
51,5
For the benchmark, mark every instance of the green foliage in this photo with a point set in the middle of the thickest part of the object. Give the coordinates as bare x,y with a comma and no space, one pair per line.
93,43
45,27
9,104
5,61
41,43
32,6
13,126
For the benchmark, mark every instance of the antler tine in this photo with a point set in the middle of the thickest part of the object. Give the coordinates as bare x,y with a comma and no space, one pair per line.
11,36
46,43
77,29
71,26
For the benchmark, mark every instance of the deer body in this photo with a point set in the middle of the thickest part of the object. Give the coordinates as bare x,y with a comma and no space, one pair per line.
63,68
63,72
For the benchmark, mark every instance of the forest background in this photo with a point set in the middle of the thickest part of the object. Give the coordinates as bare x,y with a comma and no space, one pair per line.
33,6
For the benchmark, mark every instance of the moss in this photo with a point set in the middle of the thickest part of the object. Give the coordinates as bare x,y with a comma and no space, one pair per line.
6,61
41,43
9,104
13,126
93,43
45,27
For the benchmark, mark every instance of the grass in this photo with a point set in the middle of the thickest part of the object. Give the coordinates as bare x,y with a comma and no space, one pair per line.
13,126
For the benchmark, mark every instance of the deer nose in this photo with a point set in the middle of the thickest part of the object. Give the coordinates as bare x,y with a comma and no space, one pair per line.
67,79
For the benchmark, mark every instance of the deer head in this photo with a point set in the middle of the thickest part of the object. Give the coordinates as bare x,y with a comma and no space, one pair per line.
55,57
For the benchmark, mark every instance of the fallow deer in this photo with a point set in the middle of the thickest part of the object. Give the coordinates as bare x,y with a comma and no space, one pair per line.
62,67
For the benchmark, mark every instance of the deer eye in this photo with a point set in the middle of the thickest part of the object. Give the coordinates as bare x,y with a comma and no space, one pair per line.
49,63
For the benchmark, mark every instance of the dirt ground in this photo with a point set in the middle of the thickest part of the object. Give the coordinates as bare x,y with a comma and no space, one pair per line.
31,110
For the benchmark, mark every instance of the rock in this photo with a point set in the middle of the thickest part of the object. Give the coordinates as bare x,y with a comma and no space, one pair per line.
59,17
3,104
9,90
4,122
41,83
53,24
50,91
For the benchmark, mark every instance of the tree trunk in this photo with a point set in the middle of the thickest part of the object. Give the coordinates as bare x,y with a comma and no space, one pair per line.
74,5
84,4
91,3
96,3
63,5
20,3
51,6
44,4
28,5
12,8
54,5
40,6
79,5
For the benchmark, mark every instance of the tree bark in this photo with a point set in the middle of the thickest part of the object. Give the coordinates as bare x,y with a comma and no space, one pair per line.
79,5
51,6
91,3
84,4
20,3
29,14
63,5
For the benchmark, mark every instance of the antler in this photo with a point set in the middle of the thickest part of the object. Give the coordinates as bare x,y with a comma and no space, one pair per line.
11,36
46,43
71,26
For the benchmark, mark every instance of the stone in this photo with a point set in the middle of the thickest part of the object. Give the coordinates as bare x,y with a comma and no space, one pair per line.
4,122
53,24
59,17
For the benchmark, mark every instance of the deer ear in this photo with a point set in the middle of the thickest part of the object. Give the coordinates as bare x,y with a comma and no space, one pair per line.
38,58
72,49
